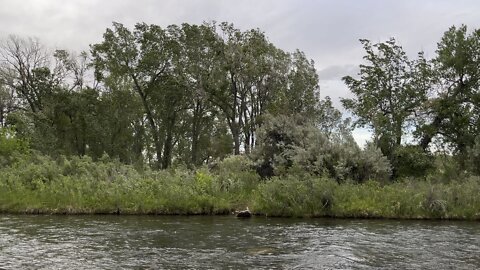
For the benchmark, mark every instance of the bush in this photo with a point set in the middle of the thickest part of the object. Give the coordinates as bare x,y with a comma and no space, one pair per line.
473,157
40,184
371,165
290,196
11,146
291,145
412,161
237,178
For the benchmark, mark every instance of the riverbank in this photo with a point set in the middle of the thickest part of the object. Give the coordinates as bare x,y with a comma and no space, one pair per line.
41,185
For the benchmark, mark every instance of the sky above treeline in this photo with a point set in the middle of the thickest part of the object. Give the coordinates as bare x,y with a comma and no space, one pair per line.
327,31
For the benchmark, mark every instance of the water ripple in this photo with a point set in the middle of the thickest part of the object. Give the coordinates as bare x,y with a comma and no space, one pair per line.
149,242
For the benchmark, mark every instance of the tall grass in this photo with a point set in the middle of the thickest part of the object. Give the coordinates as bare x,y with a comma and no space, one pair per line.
39,184
408,199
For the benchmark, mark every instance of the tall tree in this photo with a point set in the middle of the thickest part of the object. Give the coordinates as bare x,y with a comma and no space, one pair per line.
24,67
453,111
142,57
388,93
197,68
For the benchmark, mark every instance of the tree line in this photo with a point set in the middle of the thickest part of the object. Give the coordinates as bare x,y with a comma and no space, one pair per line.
191,94
186,93
421,107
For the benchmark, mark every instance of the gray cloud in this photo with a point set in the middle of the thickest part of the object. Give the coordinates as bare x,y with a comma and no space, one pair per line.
328,31
336,72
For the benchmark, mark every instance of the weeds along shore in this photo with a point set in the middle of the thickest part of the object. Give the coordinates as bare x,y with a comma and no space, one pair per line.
41,185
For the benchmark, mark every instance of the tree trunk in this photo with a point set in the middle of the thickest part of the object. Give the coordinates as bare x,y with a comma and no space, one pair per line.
427,137
236,142
158,151
197,118
234,129
168,145
151,121
167,151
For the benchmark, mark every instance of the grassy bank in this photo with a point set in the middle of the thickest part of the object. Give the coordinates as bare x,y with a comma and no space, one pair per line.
38,184
405,200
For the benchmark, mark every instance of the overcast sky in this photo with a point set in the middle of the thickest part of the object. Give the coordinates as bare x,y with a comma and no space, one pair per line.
327,31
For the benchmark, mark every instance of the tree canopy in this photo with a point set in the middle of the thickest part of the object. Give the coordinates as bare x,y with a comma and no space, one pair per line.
188,95
183,94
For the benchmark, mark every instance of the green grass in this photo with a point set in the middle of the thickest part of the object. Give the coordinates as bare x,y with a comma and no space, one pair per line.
38,184
411,199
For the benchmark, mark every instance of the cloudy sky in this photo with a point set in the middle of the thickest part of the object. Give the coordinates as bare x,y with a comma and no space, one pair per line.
327,31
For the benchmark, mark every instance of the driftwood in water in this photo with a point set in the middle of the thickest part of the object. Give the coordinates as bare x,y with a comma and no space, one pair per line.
244,213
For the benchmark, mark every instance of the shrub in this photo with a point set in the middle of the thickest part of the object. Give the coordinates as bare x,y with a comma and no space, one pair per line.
473,157
292,196
412,161
11,146
236,174
434,204
291,145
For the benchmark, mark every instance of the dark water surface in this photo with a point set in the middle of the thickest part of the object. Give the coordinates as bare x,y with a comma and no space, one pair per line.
199,242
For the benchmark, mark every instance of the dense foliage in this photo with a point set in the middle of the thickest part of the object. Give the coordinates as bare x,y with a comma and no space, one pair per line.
421,107
78,185
185,94
208,118
289,145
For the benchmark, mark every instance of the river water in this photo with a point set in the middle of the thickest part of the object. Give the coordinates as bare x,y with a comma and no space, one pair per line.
203,242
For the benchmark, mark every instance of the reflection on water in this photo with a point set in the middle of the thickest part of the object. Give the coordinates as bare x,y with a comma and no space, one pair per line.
175,242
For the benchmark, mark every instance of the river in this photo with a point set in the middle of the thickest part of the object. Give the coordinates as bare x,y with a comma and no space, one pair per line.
225,242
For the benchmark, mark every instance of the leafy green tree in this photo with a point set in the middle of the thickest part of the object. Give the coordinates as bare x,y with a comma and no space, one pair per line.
452,114
330,120
413,161
302,94
255,78
226,91
389,92
197,69
33,80
143,59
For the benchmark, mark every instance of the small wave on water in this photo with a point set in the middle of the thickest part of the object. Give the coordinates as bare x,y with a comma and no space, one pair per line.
203,242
